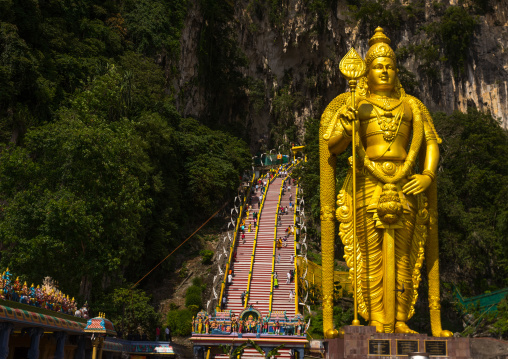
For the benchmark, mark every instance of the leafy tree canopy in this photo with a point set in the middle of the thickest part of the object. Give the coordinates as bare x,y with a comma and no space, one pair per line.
100,175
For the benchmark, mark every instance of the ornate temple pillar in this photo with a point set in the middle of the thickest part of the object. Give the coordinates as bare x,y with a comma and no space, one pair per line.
80,350
5,334
35,339
97,343
300,352
60,344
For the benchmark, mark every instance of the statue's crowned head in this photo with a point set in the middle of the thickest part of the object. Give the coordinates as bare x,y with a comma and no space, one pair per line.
381,63
379,47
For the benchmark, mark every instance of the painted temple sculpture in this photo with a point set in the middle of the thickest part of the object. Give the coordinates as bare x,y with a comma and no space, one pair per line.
46,296
394,226
249,321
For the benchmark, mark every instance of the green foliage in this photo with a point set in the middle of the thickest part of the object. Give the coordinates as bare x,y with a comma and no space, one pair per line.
428,57
256,94
75,192
194,293
207,256
155,26
184,271
500,323
455,30
88,193
321,9
180,322
473,211
342,315
277,12
408,80
315,329
211,160
193,299
285,104
373,13
131,311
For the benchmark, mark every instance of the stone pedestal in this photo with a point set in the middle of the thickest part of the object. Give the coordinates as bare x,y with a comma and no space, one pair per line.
363,342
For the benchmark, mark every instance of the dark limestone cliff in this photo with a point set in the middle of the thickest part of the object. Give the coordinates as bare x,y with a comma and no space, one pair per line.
287,56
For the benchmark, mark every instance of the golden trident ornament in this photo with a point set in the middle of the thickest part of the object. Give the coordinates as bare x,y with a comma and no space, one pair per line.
352,68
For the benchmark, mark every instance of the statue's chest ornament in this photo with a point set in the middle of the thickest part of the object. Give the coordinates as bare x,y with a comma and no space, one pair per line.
388,122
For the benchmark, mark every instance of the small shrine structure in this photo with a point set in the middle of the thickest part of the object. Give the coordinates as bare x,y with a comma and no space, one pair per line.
224,328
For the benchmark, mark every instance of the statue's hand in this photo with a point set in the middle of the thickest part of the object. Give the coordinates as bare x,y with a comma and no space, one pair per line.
347,118
418,184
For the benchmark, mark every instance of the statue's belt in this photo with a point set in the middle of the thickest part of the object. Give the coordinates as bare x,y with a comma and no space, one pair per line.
390,168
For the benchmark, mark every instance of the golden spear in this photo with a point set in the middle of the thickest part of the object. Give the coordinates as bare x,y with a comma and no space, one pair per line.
352,68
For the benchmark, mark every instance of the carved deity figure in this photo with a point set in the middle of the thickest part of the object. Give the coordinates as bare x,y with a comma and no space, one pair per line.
395,204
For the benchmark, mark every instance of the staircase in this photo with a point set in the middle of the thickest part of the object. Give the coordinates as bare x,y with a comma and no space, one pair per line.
280,300
261,279
241,263
251,353
262,269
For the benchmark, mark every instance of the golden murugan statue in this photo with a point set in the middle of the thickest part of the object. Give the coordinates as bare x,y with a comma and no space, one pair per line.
395,206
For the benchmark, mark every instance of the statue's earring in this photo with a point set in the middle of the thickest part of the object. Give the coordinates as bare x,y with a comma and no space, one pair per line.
363,87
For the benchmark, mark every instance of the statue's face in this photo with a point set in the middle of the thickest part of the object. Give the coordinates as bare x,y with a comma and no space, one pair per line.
382,74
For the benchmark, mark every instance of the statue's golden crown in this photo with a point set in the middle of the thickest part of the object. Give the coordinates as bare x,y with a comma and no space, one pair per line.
379,47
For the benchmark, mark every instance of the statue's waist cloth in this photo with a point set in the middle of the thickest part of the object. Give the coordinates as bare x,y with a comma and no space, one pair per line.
409,243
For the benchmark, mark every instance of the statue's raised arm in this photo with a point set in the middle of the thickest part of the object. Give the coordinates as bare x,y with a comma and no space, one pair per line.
395,205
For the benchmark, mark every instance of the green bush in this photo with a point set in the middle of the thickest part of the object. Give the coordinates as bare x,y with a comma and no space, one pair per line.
373,13
193,290
455,31
198,282
180,322
207,256
193,294
193,299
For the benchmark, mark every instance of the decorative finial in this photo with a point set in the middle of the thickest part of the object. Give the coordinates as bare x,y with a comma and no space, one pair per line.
379,36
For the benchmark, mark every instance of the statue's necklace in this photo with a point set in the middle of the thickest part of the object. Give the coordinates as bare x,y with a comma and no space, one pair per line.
388,123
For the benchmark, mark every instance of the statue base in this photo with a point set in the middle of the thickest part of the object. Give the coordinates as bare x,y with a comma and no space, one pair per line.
362,342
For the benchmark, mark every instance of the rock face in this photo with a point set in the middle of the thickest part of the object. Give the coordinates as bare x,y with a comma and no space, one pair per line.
489,348
294,50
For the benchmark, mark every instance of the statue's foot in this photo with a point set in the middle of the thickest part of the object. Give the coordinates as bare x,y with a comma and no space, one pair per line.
401,327
379,326
445,334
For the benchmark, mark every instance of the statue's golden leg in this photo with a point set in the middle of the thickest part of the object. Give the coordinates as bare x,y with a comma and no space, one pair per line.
370,240
403,245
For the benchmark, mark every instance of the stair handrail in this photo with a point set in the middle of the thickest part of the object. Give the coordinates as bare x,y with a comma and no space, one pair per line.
232,245
247,294
274,245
